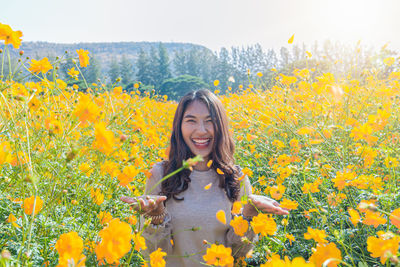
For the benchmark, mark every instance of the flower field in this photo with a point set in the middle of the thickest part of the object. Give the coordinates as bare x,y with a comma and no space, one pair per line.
326,148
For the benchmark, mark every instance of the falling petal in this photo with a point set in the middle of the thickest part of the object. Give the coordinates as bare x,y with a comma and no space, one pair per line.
291,39
221,216
209,163
208,186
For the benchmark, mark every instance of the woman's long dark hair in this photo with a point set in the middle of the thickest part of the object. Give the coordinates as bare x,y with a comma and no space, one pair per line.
221,154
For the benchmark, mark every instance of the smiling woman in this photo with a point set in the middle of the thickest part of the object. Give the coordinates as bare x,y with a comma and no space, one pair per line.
195,208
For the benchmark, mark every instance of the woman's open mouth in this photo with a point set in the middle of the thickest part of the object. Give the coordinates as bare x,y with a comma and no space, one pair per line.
201,142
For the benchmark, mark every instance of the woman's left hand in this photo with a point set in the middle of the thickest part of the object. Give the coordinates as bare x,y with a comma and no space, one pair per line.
263,204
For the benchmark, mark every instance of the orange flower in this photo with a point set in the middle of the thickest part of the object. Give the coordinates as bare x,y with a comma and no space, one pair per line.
289,204
42,66
83,57
127,175
115,242
218,255
139,241
157,258
385,245
395,218
318,235
264,224
239,225
373,218
323,252
70,246
30,202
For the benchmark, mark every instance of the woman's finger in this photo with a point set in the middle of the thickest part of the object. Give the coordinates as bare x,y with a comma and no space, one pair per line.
128,199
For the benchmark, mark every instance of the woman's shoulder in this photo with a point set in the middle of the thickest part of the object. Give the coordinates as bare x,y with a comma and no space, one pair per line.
157,170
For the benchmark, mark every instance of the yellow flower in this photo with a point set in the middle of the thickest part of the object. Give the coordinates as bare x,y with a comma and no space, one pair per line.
97,196
115,242
264,224
276,261
70,246
12,219
239,225
277,191
83,57
289,204
73,73
290,238
105,141
218,255
42,65
389,61
139,241
216,82
221,216
104,217
127,175
5,155
9,36
30,202
86,110
385,245
323,252
157,258
354,216
236,207
318,235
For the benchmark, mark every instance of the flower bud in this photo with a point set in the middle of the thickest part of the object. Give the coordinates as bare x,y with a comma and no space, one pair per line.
5,253
21,52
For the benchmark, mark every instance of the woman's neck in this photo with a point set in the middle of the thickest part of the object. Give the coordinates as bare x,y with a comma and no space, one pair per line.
201,166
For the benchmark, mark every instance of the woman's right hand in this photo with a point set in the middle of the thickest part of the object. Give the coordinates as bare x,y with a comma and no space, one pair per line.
151,205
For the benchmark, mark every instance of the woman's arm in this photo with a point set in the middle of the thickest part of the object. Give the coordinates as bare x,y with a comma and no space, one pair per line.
158,231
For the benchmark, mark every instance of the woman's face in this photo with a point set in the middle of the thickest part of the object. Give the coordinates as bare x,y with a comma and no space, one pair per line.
198,129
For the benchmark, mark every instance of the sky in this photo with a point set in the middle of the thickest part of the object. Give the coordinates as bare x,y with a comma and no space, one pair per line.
212,23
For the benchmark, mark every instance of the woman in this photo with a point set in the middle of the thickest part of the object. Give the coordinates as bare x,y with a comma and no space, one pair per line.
183,207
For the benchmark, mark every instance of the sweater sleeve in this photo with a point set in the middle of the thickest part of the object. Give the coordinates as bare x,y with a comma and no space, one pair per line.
240,246
157,236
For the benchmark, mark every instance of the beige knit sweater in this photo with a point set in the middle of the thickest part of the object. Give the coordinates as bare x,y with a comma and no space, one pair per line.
193,220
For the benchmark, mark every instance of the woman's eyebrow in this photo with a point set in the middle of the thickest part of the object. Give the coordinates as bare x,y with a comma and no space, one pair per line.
193,116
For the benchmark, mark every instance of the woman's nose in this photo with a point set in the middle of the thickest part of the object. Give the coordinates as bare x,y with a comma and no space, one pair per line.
201,127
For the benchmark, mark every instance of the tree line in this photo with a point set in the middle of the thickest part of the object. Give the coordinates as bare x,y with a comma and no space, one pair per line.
175,71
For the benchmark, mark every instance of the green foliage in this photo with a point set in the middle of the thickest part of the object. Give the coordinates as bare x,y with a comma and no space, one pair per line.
175,88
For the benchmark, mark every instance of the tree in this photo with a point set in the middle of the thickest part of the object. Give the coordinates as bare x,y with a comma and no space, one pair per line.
162,66
143,67
126,70
177,87
114,71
